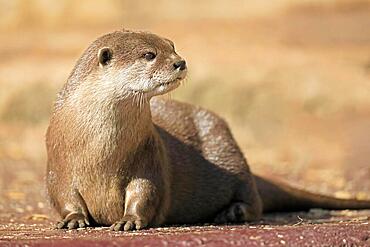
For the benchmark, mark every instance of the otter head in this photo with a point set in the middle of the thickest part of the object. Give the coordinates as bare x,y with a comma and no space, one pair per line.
127,63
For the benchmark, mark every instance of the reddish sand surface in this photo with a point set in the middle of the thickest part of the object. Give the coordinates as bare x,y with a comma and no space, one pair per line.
315,228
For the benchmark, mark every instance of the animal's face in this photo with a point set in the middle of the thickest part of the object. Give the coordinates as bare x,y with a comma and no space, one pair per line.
136,62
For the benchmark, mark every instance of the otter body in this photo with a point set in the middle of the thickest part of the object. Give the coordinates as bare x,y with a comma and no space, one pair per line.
208,169
117,156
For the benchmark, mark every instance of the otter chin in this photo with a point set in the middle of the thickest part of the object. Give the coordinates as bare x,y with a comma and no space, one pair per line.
161,88
119,157
164,87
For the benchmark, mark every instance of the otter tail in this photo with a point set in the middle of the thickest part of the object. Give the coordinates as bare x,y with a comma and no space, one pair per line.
279,197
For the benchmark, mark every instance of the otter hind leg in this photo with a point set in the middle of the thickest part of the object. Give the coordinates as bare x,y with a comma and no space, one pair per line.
237,212
246,206
73,211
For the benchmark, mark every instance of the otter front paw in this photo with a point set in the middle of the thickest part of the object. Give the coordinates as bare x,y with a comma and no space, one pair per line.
129,223
73,221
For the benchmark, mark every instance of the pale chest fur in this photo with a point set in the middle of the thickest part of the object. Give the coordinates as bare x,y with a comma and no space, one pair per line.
100,137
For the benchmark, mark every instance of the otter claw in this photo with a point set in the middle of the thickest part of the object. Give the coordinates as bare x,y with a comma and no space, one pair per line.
127,225
72,224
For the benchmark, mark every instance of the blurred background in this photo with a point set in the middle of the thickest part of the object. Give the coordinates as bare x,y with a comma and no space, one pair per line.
292,78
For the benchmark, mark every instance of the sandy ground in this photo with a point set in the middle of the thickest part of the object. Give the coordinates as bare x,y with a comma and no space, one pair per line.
315,228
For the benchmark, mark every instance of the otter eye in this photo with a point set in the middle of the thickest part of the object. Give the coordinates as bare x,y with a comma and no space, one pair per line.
149,56
104,56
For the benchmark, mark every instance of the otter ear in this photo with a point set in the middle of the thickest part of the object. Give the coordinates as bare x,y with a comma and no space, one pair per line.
104,56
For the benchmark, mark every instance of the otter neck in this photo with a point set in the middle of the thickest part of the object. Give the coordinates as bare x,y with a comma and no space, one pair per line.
135,121
132,123
107,125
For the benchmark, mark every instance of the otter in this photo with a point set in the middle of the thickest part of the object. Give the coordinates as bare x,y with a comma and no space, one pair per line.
118,156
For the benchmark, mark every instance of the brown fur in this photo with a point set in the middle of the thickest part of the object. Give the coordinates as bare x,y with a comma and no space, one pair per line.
117,156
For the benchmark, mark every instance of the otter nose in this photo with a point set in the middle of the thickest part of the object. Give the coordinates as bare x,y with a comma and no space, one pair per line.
180,65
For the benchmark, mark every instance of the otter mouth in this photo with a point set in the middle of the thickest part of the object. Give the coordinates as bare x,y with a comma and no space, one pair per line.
161,88
165,87
158,88
168,84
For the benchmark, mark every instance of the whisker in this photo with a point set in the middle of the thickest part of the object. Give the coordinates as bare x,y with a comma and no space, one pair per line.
143,99
140,101
136,99
184,81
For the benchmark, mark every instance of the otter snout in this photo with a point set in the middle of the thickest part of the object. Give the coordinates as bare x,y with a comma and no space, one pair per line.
180,65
